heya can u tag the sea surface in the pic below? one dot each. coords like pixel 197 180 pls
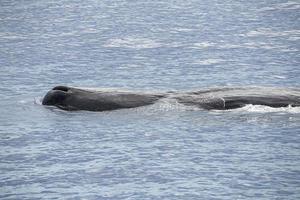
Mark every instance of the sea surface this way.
pixel 166 150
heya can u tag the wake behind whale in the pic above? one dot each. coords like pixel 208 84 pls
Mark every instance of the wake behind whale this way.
pixel 73 98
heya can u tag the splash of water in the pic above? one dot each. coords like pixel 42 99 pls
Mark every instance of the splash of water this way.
pixel 267 109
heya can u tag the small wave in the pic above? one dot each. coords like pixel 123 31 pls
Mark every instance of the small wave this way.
pixel 229 46
pixel 260 45
pixel 254 45
pixel 271 33
pixel 11 36
pixel 290 5
pixel 279 77
pixel 203 45
pixel 209 61
pixel 134 43
pixel 179 29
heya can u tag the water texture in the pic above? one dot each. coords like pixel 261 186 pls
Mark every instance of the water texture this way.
pixel 162 151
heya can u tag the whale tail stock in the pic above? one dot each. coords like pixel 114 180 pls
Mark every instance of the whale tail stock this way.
pixel 271 101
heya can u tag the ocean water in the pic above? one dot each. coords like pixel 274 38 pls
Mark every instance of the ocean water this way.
pixel 162 151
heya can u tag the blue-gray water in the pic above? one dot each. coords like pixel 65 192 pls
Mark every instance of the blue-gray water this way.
pixel 164 151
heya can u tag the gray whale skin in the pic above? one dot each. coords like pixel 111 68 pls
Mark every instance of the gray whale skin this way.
pixel 72 98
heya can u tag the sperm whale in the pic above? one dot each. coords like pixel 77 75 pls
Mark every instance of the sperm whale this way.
pixel 73 98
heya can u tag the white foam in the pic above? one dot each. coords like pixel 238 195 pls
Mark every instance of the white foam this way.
pixel 267 109
pixel 38 101
pixel 167 105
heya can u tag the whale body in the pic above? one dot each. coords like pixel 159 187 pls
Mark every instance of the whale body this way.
pixel 72 98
